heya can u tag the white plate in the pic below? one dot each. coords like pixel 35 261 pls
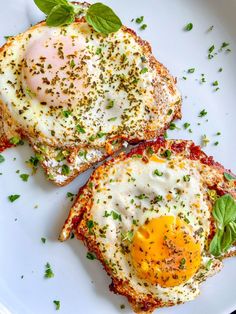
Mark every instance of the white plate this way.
pixel 81 285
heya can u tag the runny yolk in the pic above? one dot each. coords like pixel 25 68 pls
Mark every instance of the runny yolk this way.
pixel 55 70
pixel 165 252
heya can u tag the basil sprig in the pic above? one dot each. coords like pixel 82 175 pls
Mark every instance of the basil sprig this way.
pixel 103 19
pixel 224 213
pixel 61 12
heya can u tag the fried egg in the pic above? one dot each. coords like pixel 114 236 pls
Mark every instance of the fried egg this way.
pixel 147 216
pixel 70 85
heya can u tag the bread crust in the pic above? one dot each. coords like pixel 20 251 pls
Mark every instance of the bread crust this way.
pixel 214 179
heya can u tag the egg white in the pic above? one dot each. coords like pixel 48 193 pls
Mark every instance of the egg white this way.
pixel 119 190
pixel 114 66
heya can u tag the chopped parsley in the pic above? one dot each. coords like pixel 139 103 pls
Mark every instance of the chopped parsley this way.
pixel 34 161
pixel 186 125
pixel 192 70
pixel 139 20
pixel 158 173
pixel 169 112
pixel 122 306
pixel 48 271
pixel 65 170
pixel 188 27
pixel 144 70
pixel 7 37
pixel 2 159
pixel 127 236
pixel 110 104
pixel 186 178
pixel 112 119
pixel 98 51
pixel 90 225
pixel 211 49
pixel 43 240
pixel 16 141
pixel 66 113
pixel 173 126
pixel 202 113
pixel 12 198
pixel 218 133
pixel 24 177
pixel 101 134
pixel 220 70
pixel 208 264
pixel 167 154
pixel 143 27
pixel 224 45
pixel 158 198
pixel 72 63
pixel 182 263
pixel 114 215
pixel 141 196
pixel 215 83
pixel 90 256
pixel 80 129
pixel 57 304
pixel 70 195
pixel 216 143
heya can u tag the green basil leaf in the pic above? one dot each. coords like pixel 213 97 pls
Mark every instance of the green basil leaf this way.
pixel 229 177
pixel 103 19
pixel 224 210
pixel 226 240
pixel 215 248
pixel 61 15
pixel 47 5
pixel 232 226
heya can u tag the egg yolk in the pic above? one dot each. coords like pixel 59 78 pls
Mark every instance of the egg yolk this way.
pixel 55 70
pixel 165 252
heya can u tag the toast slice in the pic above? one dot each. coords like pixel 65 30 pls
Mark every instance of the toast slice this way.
pixel 142 119
pixel 159 178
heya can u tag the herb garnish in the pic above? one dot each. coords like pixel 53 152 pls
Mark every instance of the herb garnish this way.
pixel 139 20
pixel 224 213
pixel 65 170
pixel 62 12
pixel 57 304
pixel 188 27
pixel 48 271
pixel 90 225
pixel 202 113
pixel 12 198
pixel 90 256
pixel 192 70
pixel 24 177
pixel 158 173
pixel 43 240
pixel 2 159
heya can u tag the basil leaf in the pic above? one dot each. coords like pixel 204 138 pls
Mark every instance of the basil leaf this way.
pixel 103 19
pixel 224 210
pixel 215 248
pixel 61 15
pixel 226 240
pixel 229 177
pixel 47 5
pixel 232 226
